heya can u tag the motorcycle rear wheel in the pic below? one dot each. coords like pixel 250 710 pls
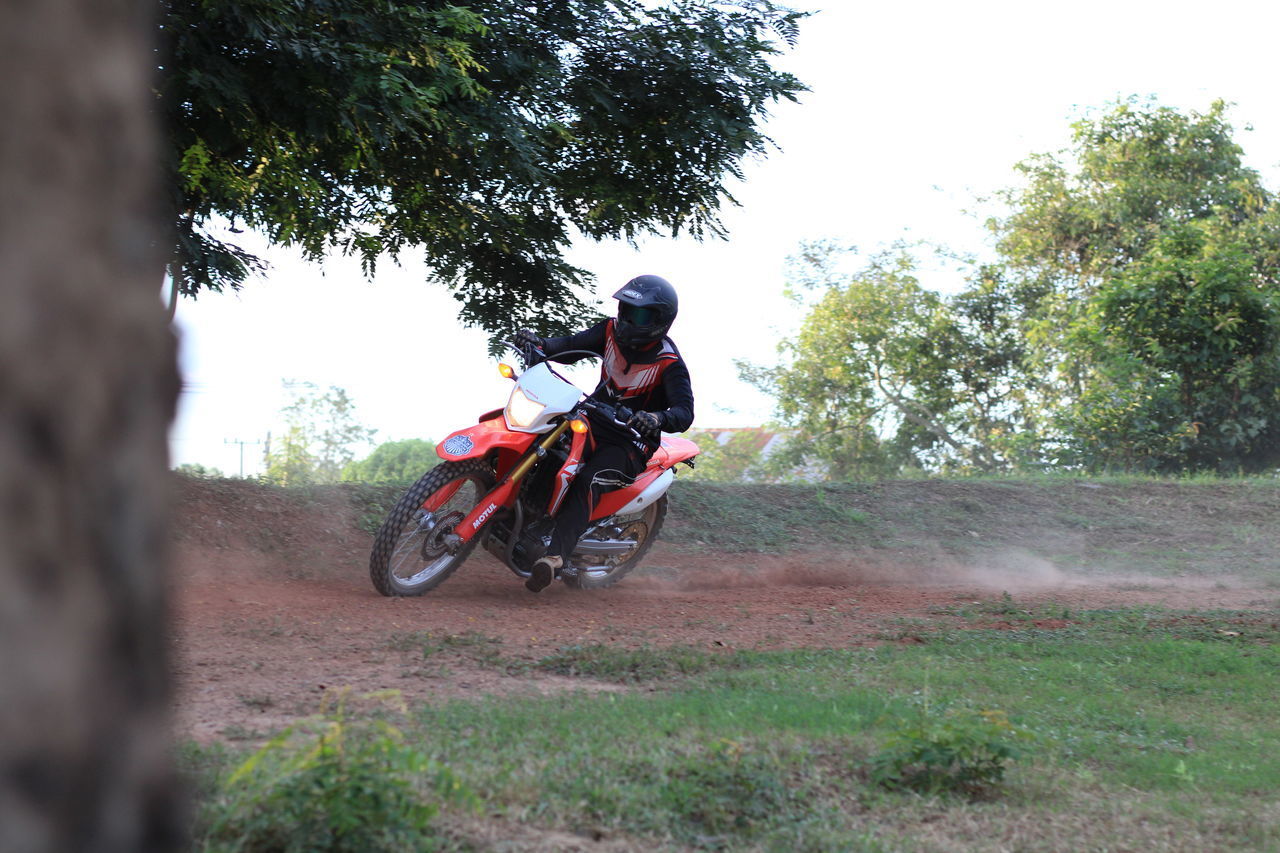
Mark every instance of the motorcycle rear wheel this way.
pixel 409 555
pixel 600 572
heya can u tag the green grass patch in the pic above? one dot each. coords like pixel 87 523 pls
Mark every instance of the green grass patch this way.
pixel 334 782
pixel 1098 526
pixel 1120 707
pixel 1169 528
pixel 766 517
pixel 1118 729
pixel 630 666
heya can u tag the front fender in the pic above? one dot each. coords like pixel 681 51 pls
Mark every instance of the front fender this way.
pixel 477 441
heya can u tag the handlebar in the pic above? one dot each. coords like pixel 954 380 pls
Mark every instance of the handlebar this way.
pixel 618 415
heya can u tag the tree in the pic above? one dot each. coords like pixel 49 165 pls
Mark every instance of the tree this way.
pixel 886 374
pixel 394 462
pixel 321 432
pixel 486 135
pixel 1156 256
pixel 735 460
pixel 1187 364
pixel 88 384
pixel 196 471
pixel 1133 171
pixel 1132 321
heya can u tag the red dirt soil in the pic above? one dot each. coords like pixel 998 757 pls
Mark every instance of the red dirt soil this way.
pixel 260 637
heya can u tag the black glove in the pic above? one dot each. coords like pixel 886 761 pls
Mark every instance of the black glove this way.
pixel 528 342
pixel 648 424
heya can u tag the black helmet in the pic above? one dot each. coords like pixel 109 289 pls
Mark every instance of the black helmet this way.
pixel 647 307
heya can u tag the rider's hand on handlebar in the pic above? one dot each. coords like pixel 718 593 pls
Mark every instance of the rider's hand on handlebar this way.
pixel 648 424
pixel 529 343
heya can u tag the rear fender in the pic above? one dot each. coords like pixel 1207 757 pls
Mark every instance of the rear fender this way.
pixel 647 488
pixel 650 485
pixel 673 451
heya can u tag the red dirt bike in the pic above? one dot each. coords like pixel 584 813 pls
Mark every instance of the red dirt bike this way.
pixel 502 481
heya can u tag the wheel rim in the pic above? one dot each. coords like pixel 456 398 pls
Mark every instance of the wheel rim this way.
pixel 419 554
pixel 634 529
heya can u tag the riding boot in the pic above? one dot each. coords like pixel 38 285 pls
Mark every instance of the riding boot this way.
pixel 543 572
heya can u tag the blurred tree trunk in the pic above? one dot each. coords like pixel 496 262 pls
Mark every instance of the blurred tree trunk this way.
pixel 88 382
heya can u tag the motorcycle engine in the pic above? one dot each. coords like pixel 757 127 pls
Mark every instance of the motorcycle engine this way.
pixel 535 493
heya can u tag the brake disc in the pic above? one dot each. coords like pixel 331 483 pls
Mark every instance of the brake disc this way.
pixel 435 532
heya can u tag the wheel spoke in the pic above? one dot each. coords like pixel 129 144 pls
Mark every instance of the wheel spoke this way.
pixel 636 529
pixel 418 555
pixel 409 554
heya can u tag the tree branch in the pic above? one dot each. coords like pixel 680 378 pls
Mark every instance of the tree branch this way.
pixel 978 454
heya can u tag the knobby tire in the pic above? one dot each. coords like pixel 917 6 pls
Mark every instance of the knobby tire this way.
pixel 401 522
pixel 584 580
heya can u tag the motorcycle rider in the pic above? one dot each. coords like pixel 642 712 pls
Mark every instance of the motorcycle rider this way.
pixel 642 370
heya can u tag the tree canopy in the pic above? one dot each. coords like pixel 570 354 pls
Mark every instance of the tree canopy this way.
pixel 401 461
pixel 886 374
pixel 1155 254
pixel 485 135
pixel 320 437
pixel 1130 321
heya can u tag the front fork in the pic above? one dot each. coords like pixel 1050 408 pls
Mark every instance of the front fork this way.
pixel 501 495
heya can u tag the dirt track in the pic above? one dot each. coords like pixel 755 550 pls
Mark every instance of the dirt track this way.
pixel 260 640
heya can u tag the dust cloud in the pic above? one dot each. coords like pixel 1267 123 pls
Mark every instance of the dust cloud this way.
pixel 1013 571
pixel 1003 571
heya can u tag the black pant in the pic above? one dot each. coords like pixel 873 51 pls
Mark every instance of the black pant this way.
pixel 609 467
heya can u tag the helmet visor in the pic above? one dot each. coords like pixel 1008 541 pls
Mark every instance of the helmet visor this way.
pixel 637 315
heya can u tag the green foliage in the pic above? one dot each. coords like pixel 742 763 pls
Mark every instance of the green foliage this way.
pixel 957 750
pixel 198 471
pixel 321 432
pixel 336 783
pixel 1156 327
pixel 1188 361
pixel 1133 171
pixel 737 460
pixel 486 134
pixel 394 463
pixel 729 789
pixel 886 375
pixel 1132 323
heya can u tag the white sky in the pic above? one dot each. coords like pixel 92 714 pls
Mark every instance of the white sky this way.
pixel 916 110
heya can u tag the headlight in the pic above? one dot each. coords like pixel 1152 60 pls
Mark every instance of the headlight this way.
pixel 521 411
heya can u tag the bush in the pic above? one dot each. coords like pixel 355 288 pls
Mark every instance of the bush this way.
pixel 331 784
pixel 956 750
pixel 728 791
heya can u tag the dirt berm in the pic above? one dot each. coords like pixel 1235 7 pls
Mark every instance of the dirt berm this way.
pixel 273 606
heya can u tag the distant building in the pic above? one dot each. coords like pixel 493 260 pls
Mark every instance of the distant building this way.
pixel 766 441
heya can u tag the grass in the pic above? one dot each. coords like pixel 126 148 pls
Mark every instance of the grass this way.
pixel 1145 729
pixel 1113 525
pixel 438 648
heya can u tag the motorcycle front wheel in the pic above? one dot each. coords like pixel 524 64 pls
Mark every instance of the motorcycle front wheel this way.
pixel 410 553
pixel 611 549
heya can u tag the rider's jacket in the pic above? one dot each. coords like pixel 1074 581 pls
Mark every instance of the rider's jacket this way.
pixel 654 379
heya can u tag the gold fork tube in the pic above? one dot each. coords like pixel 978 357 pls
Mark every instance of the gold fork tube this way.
pixel 525 464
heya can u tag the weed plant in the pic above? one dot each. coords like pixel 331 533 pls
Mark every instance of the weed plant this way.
pixel 949 750
pixel 334 783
